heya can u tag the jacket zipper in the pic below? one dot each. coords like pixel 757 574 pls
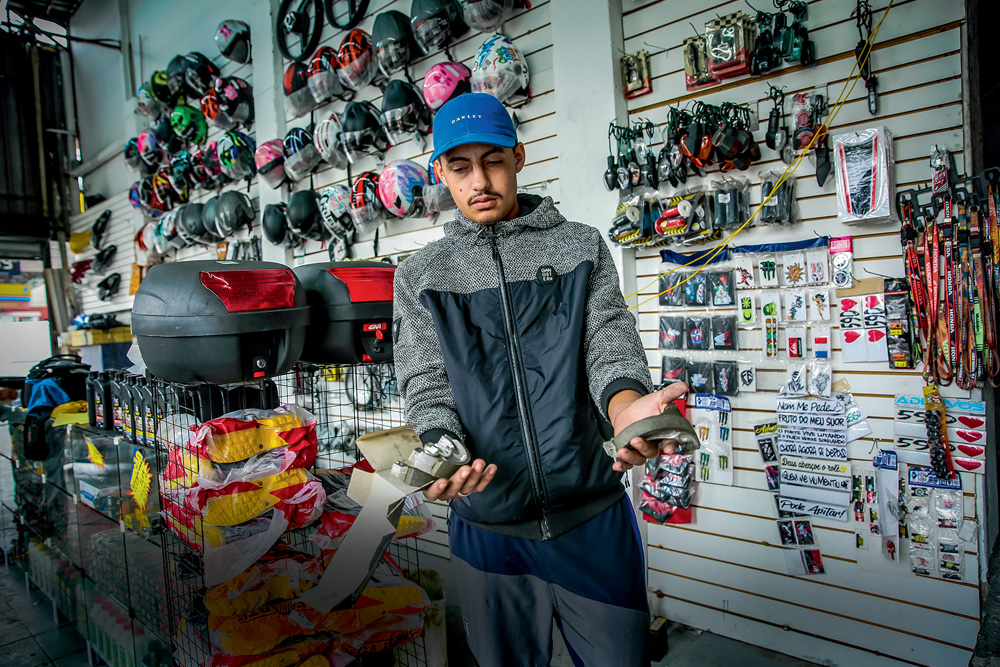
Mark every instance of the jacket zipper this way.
pixel 514 354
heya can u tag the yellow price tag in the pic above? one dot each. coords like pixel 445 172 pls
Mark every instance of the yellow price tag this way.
pixel 95 456
pixel 141 480
pixel 144 522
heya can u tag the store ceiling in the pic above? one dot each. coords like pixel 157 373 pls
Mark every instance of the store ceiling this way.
pixel 57 11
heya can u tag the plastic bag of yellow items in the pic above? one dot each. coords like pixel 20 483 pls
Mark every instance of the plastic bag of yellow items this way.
pixel 238 435
pixel 261 630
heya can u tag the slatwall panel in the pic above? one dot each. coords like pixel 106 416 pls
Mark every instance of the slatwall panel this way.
pixel 726 572
pixel 530 33
pixel 126 221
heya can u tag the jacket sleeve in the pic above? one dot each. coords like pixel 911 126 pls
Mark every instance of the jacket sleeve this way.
pixel 420 372
pixel 616 360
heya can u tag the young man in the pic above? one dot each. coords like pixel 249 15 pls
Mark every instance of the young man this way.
pixel 511 333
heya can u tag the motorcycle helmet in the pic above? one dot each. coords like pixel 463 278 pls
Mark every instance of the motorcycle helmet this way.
pixel 435 23
pixel 146 104
pixel 304 217
pixel 393 41
pixel 108 288
pixel 160 243
pixel 403 112
pixel 367 211
pixel 360 131
pixel 233 39
pixel 200 74
pixel 236 151
pixel 199 176
pixel 166 138
pixel 324 84
pixel 235 98
pixel 356 60
pixel 233 212
pixel 301 156
pixel 210 230
pixel 134 197
pixel 335 207
pixel 446 81
pixel 133 160
pixel 326 136
pixel 270 160
pixel 299 99
pixel 486 15
pixel 181 173
pixel 147 145
pixel 189 124
pixel 213 113
pixel 176 73
pixel 401 188
pixel 272 220
pixel 164 189
pixel 189 224
pixel 160 91
pixel 103 259
pixel 499 69
pixel 167 229
pixel 212 166
pixel 437 197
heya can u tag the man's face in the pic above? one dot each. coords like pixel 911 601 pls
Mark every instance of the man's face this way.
pixel 483 180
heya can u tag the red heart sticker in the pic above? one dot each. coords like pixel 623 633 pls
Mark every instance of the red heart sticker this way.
pixel 971 450
pixel 970 436
pixel 872 300
pixel 875 335
pixel 968 464
pixel 851 336
pixel 971 421
pixel 847 304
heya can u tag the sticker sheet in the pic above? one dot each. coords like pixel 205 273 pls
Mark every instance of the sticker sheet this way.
pixel 796 342
pixel 743 272
pixel 793 271
pixel 818 262
pixel 795 306
pixel 748 308
pixel 768 271
pixel 819 305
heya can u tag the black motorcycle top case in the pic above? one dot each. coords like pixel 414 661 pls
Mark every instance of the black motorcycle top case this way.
pixel 351 306
pixel 219 321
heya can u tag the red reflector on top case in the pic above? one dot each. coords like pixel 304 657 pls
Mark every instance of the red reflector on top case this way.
pixel 243 291
pixel 259 374
pixel 366 283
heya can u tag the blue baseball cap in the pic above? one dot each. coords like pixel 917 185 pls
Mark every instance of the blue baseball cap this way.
pixel 472 118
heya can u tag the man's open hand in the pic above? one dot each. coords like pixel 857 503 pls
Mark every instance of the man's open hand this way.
pixel 468 479
pixel 628 407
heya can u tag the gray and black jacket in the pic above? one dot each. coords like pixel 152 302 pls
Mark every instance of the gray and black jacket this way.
pixel 514 337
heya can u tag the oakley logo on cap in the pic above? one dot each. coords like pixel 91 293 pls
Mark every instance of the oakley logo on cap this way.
pixel 455 120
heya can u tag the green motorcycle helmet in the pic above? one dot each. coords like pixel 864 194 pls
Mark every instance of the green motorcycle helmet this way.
pixel 189 124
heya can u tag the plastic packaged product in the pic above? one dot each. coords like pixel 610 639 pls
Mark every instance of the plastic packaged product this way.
pixel 673 369
pixel 672 332
pixel 726 381
pixel 720 287
pixel 241 434
pixel 778 208
pixel 724 332
pixel 696 289
pixel 731 201
pixel 698 332
pixel 670 288
pixel 865 176
pixel 700 377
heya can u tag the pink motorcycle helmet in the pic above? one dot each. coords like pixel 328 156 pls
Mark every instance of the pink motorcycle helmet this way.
pixel 270 160
pixel 445 81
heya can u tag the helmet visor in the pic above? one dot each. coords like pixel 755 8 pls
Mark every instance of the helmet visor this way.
pixel 392 55
pixel 400 124
pixel 431 33
pixel 325 85
pixel 359 72
pixel 356 144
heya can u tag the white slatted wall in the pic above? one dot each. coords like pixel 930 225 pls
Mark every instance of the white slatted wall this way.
pixel 530 33
pixel 725 572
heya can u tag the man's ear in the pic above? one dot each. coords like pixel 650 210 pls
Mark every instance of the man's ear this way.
pixel 518 157
pixel 439 165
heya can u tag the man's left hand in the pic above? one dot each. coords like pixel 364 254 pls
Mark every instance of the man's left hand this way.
pixel 628 407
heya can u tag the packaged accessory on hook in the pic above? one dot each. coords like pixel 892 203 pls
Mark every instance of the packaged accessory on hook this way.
pixel 731 198
pixel 779 209
pixel 696 72
pixel 701 378
pixel 671 290
pixel 820 378
pixel 672 332
pixel 727 45
pixel 865 176
pixel 674 369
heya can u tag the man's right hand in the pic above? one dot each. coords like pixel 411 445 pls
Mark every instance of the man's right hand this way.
pixel 469 479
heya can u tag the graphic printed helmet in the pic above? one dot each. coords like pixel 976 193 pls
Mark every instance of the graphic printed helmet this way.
pixel 403 112
pixel 200 74
pixel 148 146
pixel 361 132
pixel 393 40
pixel 301 156
pixel 299 99
pixel 326 136
pixel 200 177
pixel 335 207
pixel 486 15
pixel 213 113
pixel 133 160
pixel 212 166
pixel 401 188
pixel 435 23
pixel 367 211
pixel 160 91
pixel 499 69
pixel 233 39
pixel 235 97
pixel 164 189
pixel 235 151
pixel 324 83
pixel 270 161
pixel 446 81
pixel 166 138
pixel 181 173
pixel 176 72
pixel 356 60
pixel 189 124
pixel 146 104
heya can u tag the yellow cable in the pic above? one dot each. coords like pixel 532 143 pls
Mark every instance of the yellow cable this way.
pixel 852 80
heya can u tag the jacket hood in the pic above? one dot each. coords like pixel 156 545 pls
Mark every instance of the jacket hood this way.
pixel 535 212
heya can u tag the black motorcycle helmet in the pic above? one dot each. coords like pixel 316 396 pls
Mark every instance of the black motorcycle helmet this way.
pixel 176 74
pixel 273 222
pixel 208 213
pixel 102 262
pixel 436 23
pixel 403 111
pixel 189 225
pixel 361 131
pixel 234 212
pixel 200 74
pixel 108 288
pixel 304 217
pixel 393 41
pixel 166 137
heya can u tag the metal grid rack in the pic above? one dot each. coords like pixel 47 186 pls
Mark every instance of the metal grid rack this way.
pixel 347 401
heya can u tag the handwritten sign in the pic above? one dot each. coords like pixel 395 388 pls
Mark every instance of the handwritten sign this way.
pixel 834 497
pixel 833 406
pixel 814 479
pixel 812 451
pixel 815 465
pixel 813 437
pixel 815 509
pixel 812 421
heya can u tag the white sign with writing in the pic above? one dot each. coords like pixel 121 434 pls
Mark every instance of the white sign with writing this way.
pixel 815 465
pixel 814 479
pixel 816 494
pixel 812 406
pixel 813 437
pixel 812 421
pixel 812 451
pixel 815 509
